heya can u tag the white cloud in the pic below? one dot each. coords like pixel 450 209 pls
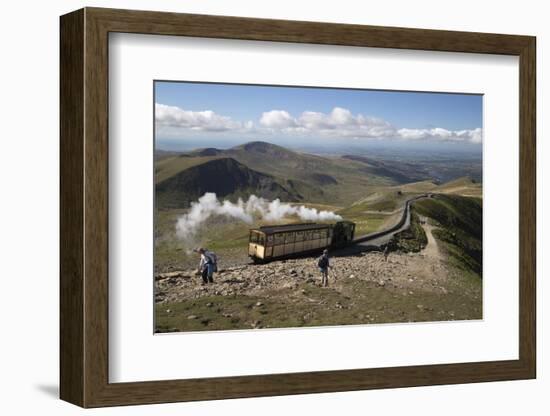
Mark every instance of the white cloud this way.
pixel 472 136
pixel 170 116
pixel 338 117
pixel 277 119
pixel 339 122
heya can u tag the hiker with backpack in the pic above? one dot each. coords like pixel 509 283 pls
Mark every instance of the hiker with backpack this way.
pixel 324 263
pixel 208 265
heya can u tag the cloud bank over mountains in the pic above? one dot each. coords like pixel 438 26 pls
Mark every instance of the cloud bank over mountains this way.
pixel 171 116
pixel 340 122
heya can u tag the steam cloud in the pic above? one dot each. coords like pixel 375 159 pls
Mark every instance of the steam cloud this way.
pixel 209 205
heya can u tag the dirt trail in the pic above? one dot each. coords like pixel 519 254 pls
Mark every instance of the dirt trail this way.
pixel 431 251
pixel 430 262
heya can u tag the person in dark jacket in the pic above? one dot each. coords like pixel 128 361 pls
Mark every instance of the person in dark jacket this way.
pixel 324 264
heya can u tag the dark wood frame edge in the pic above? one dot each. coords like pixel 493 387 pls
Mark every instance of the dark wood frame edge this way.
pixel 84 207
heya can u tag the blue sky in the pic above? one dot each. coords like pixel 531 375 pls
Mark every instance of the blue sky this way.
pixel 243 112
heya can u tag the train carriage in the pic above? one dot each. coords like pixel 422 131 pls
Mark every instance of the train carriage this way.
pixel 282 241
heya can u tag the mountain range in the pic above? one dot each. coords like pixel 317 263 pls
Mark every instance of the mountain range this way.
pixel 271 171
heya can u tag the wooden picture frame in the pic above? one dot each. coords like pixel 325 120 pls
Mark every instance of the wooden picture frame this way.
pixel 84 207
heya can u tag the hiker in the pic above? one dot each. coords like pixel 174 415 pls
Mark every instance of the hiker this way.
pixel 386 252
pixel 208 265
pixel 324 264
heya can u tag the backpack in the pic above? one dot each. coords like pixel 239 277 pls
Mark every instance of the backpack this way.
pixel 322 262
pixel 212 258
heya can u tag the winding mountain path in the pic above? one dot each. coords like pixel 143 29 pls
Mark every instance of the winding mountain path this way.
pixel 379 239
pixel 432 249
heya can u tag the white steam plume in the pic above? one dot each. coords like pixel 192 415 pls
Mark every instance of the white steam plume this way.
pixel 208 205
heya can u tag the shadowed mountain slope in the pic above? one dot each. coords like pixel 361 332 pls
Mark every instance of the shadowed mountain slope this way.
pixel 226 177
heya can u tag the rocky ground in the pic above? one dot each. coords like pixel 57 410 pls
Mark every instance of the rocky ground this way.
pixel 363 288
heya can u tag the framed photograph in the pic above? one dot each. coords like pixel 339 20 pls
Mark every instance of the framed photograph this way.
pixel 254 207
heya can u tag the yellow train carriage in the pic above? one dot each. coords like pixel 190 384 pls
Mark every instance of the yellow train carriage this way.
pixel 273 242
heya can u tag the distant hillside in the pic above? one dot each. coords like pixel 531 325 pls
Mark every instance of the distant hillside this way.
pixel 279 161
pixel 164 154
pixel 399 172
pixel 325 180
pixel 333 180
pixel 465 186
pixel 208 151
pixel 420 166
pixel 224 176
pixel 263 148
pixel 422 187
pixel 392 197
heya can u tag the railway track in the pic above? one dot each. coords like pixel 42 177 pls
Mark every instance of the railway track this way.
pixel 378 239
pixel 373 241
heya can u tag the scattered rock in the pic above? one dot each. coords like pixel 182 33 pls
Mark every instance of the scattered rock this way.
pixel 171 275
pixel 297 280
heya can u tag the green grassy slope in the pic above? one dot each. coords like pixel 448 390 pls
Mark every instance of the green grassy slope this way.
pixel 317 179
pixel 224 176
pixel 331 180
pixel 399 172
pixel 460 227
pixel 465 186
pixel 169 166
